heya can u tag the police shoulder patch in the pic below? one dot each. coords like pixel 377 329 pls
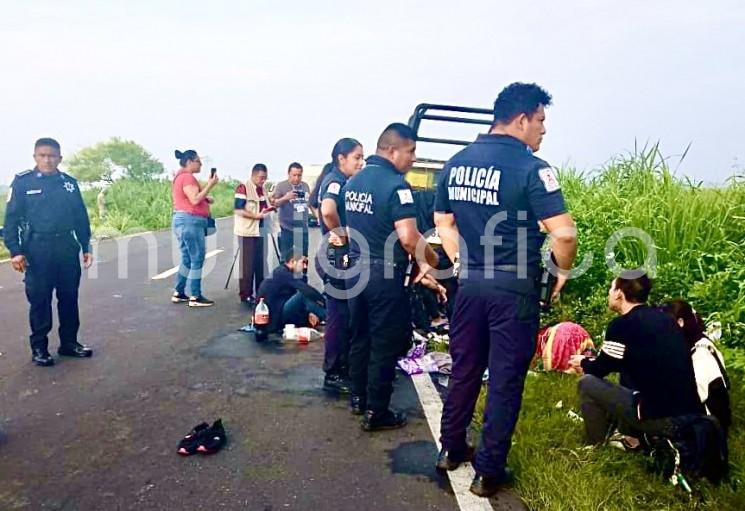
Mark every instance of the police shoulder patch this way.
pixel 24 173
pixel 405 197
pixel 334 188
pixel 549 179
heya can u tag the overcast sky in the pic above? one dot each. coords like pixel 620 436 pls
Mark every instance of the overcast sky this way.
pixel 273 82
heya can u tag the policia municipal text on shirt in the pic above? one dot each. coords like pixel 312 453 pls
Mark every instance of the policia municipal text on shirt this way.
pixel 492 194
pixel 46 225
pixel 378 203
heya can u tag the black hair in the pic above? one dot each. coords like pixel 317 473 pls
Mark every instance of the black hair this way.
pixel 294 165
pixel 186 156
pixel 693 325
pixel 313 199
pixel 47 142
pixel 395 133
pixel 290 253
pixel 519 98
pixel 259 167
pixel 343 147
pixel 634 289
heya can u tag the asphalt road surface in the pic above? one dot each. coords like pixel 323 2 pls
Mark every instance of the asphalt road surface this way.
pixel 100 433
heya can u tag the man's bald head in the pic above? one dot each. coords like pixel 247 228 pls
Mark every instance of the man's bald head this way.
pixel 397 144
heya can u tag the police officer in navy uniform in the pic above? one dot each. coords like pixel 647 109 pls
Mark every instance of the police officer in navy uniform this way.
pixel 347 160
pixel 381 220
pixel 46 225
pixel 492 194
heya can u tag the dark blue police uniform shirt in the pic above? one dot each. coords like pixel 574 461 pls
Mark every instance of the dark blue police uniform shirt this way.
pixel 374 199
pixel 49 204
pixel 497 175
pixel 332 188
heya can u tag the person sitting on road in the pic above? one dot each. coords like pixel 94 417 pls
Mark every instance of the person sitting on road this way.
pixel 291 300
pixel 647 344
pixel 708 364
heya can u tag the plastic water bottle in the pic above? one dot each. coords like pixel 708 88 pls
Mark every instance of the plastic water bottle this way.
pixel 261 320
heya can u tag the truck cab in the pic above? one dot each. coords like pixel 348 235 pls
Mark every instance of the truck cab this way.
pixel 425 172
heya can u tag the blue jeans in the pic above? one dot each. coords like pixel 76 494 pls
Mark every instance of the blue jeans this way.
pixel 189 231
pixel 295 310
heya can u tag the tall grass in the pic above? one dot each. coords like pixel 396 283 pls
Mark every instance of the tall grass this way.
pixel 697 232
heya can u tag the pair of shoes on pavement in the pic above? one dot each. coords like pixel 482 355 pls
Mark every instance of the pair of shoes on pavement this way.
pixel 194 301
pixel 482 485
pixel 41 356
pixel 203 439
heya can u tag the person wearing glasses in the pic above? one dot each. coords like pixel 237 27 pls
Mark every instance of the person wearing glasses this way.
pixel 191 208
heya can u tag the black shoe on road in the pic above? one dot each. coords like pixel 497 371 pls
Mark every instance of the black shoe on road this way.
pixel 200 301
pixel 335 383
pixel 357 404
pixel 382 421
pixel 76 350
pixel 177 297
pixel 486 486
pixel 41 358
pixel 450 460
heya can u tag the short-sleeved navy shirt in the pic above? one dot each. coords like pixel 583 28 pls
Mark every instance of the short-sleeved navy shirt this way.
pixel 332 188
pixel 496 188
pixel 375 198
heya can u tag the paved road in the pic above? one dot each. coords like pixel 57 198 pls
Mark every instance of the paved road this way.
pixel 100 434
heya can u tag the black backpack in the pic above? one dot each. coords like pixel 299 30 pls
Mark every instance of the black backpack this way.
pixel 696 448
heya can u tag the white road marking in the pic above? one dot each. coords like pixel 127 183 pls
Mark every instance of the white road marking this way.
pixel 460 479
pixel 173 270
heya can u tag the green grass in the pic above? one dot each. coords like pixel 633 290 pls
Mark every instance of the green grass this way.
pixel 556 472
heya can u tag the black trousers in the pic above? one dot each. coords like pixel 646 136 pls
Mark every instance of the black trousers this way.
pixel 53 266
pixel 381 332
pixel 288 242
pixel 253 261
pixel 605 405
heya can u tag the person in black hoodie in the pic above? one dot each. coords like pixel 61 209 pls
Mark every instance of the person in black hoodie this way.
pixel 646 344
pixel 291 300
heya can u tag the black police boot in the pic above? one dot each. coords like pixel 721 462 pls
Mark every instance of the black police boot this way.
pixel 486 486
pixel 381 421
pixel 76 350
pixel 357 404
pixel 449 459
pixel 41 357
pixel 335 383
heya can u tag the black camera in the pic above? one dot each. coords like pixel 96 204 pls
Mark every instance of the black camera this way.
pixel 300 194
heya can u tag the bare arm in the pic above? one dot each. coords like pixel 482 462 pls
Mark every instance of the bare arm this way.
pixel 411 239
pixel 196 196
pixel 563 233
pixel 330 218
pixel 448 232
pixel 246 213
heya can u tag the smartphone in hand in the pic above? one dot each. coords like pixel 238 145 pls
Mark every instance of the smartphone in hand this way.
pixel 213 171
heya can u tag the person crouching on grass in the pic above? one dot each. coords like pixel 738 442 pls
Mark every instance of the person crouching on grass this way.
pixel 646 344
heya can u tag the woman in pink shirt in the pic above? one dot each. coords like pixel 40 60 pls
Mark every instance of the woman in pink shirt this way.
pixel 191 208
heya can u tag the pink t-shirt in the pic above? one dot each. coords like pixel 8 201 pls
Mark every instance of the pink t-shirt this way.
pixel 181 201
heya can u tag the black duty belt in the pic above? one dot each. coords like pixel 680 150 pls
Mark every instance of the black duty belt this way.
pixel 50 235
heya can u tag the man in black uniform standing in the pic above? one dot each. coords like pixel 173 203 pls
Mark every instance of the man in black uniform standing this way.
pixel 492 194
pixel 381 219
pixel 46 225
